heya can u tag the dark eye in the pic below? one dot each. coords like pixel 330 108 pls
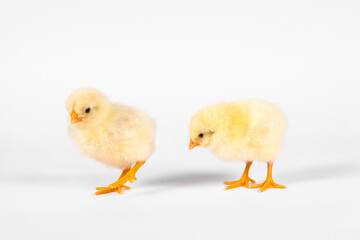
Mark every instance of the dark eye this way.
pixel 201 135
pixel 87 110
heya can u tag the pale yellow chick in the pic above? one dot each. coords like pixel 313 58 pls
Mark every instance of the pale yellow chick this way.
pixel 244 130
pixel 114 134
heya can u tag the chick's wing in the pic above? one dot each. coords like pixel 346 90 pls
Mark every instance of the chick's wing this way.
pixel 125 122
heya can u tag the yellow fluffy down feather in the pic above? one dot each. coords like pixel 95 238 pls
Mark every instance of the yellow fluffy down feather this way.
pixel 244 130
pixel 111 133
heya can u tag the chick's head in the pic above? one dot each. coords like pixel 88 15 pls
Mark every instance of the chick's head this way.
pixel 205 125
pixel 86 106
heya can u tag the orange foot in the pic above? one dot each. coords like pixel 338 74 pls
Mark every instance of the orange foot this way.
pixel 243 182
pixel 116 186
pixel 269 183
pixel 104 190
pixel 127 175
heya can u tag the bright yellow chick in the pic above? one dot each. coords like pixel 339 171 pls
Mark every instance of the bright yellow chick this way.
pixel 245 130
pixel 114 134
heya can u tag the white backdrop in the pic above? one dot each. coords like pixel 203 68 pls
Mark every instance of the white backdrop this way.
pixel 170 58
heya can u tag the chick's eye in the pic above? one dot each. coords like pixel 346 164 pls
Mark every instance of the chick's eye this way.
pixel 87 110
pixel 201 135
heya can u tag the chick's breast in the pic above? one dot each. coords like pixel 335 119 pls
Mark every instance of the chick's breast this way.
pixel 254 131
pixel 124 137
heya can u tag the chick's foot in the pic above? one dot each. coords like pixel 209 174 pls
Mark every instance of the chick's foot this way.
pixel 104 190
pixel 116 186
pixel 128 175
pixel 267 184
pixel 243 182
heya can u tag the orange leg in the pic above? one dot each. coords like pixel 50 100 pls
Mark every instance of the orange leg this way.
pixel 244 180
pixel 269 182
pixel 134 170
pixel 114 187
pixel 127 175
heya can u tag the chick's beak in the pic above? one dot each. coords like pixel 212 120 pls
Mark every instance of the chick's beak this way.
pixel 75 117
pixel 193 144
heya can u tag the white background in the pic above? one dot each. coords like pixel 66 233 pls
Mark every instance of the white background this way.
pixel 170 58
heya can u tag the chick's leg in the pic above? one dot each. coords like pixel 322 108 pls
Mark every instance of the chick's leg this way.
pixel 269 182
pixel 244 180
pixel 116 186
pixel 134 170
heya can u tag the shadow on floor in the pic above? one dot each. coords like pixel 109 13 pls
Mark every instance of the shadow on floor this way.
pixel 147 185
pixel 154 185
pixel 187 179
pixel 192 178
pixel 176 180
pixel 320 172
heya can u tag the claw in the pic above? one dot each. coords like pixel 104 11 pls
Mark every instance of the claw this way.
pixel 238 181
pixel 104 190
pixel 243 182
pixel 267 185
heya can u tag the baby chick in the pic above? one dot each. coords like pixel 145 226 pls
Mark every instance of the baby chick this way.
pixel 245 130
pixel 114 134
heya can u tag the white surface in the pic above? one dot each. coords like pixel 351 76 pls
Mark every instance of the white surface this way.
pixel 170 59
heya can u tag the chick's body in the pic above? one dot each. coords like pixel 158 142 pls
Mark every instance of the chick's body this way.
pixel 111 133
pixel 245 130
pixel 124 136
pixel 248 130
